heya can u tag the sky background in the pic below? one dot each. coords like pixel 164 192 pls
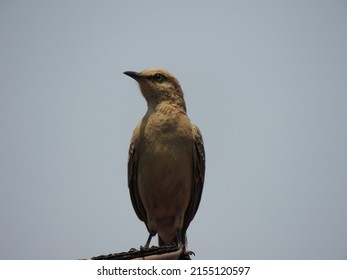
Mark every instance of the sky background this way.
pixel 266 82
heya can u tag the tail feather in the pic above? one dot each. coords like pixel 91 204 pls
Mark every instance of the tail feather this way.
pixel 175 240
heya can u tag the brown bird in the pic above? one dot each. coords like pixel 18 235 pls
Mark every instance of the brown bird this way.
pixel 166 166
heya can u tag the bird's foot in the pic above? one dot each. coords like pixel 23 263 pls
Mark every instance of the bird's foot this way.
pixel 188 252
pixel 184 251
pixel 151 234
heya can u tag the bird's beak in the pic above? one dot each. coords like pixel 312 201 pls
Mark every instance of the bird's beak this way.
pixel 134 75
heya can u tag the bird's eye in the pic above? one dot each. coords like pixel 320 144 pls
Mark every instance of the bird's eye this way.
pixel 159 77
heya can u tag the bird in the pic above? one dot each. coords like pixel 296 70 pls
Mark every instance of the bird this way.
pixel 166 163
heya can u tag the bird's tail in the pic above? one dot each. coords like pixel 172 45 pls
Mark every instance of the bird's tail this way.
pixel 175 240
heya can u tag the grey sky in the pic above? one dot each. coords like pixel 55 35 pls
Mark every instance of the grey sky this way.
pixel 266 82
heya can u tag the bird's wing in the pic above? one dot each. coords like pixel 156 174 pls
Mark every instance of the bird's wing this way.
pixel 132 181
pixel 198 177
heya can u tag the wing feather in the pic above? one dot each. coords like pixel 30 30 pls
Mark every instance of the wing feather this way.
pixel 132 182
pixel 198 177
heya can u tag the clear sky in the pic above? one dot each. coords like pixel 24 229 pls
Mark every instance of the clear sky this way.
pixel 266 82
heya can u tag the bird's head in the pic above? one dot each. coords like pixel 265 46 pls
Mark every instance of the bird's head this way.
pixel 158 85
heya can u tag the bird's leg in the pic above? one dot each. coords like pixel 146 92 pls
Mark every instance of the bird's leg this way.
pixel 179 240
pixel 182 245
pixel 151 234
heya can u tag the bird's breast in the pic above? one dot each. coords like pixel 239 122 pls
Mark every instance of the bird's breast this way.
pixel 167 129
pixel 165 164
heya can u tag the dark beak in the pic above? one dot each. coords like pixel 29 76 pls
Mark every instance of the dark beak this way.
pixel 134 75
